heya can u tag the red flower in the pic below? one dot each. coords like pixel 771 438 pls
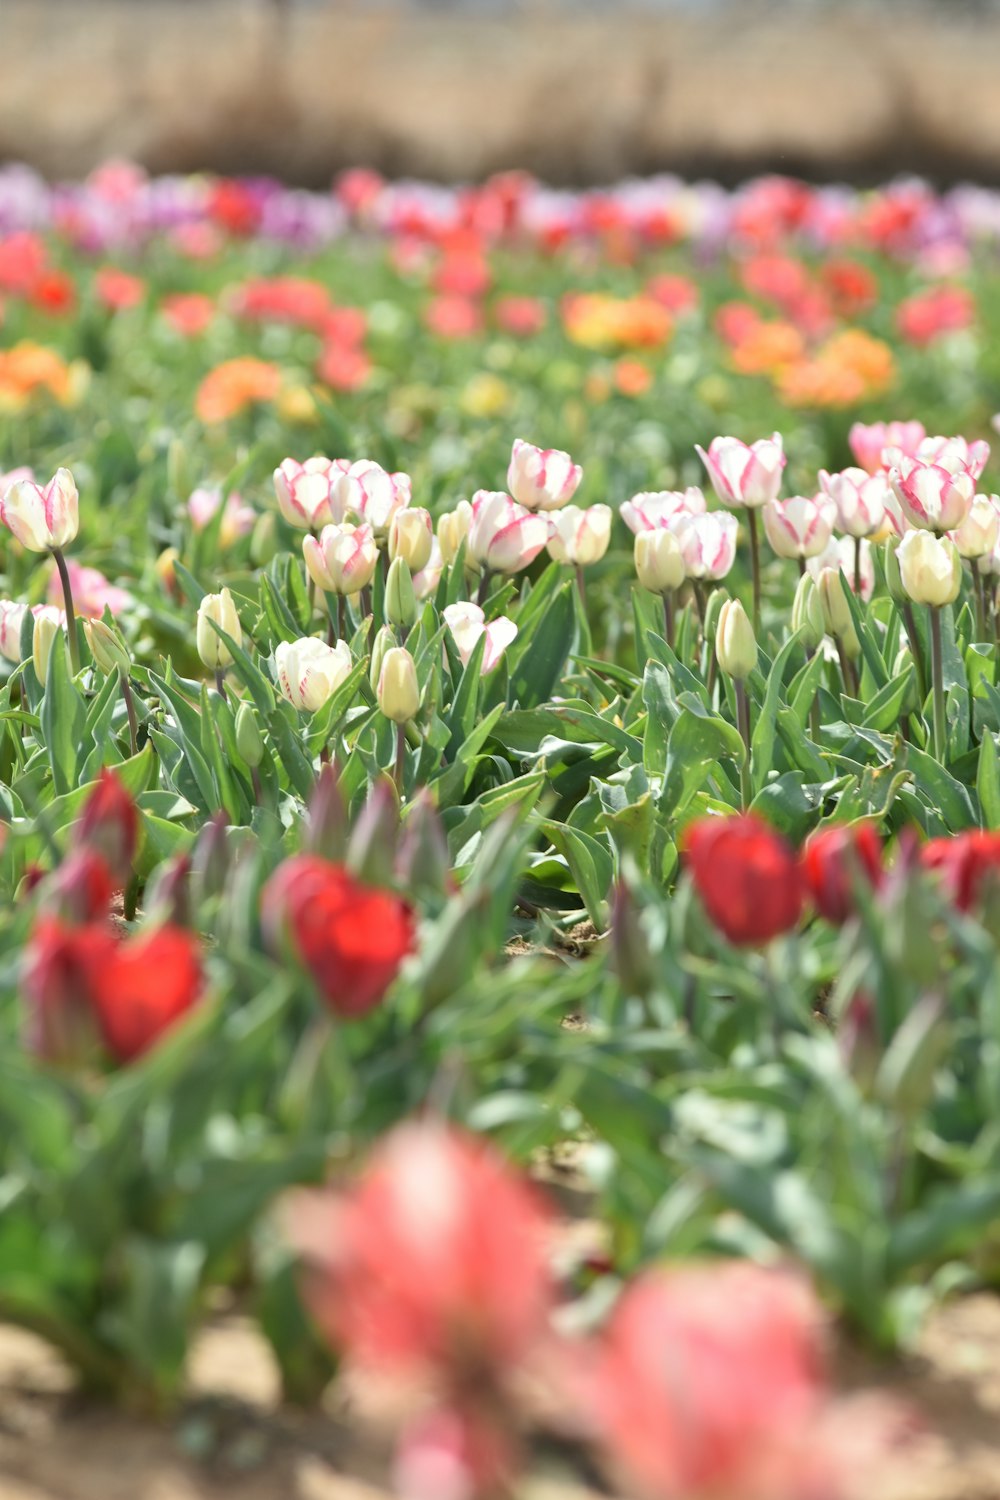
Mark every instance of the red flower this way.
pixel 747 877
pixel 968 862
pixel 522 316
pixel 54 292
pixel 351 937
pixel 930 314
pixel 117 289
pixel 343 367
pixel 143 987
pixel 837 862
pixel 188 313
pixel 55 982
pixel 80 889
pixel 453 317
pixel 110 824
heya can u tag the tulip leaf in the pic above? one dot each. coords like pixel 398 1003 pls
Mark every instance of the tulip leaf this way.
pixel 62 718
pixel 697 741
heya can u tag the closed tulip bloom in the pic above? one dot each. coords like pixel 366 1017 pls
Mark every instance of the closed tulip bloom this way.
pixel 968 865
pixel 651 509
pixel 426 581
pixel 342 559
pixel 541 478
pixel 747 877
pixel 807 613
pixel 398 691
pixel 452 530
pixel 707 543
pixel 930 568
pixel 109 651
pixel 42 517
pixel 12 616
pixel 211 647
pixel 735 642
pixel 659 565
pixel 977 536
pixel 411 535
pixel 467 623
pixel 376 496
pixel 745 474
pixel 840 554
pixel 580 536
pixel 931 496
pixel 839 864
pixel 309 671
pixel 312 494
pixel 837 615
pixel 799 527
pixel 503 536
pixel 868 442
pixel 44 635
pixel 860 500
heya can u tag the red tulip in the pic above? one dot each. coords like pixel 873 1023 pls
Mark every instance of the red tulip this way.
pixel 351 937
pixel 145 986
pixel 838 863
pixel 747 877
pixel 80 889
pixel 110 824
pixel 55 982
pixel 968 863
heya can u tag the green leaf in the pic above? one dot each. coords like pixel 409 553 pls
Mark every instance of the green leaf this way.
pixel 988 783
pixel 546 647
pixel 62 720
pixel 762 739
pixel 697 741
pixel 590 863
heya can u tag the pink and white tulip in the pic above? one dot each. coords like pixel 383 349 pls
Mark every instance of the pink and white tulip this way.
pixel 932 497
pixel 376 496
pixel 237 517
pixel 426 581
pixel 868 442
pixel 860 500
pixel 840 555
pixel 467 623
pixel 652 508
pixel 503 536
pixel 411 535
pixel 955 454
pixel 541 478
pixel 310 671
pixel 580 537
pixel 707 543
pixel 14 476
pixel 312 494
pixel 979 532
pixel 342 559
pixel 799 527
pixel 42 517
pixel 12 617
pixel 742 474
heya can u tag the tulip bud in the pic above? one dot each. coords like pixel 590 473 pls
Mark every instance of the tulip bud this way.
pixel 400 599
pixel 659 564
pixel 411 533
pixel 326 822
pixel 807 613
pixel 210 857
pixel 423 864
pixel 735 642
pixel 398 690
pixel 930 568
pixel 893 579
pixel 249 741
pixel 42 516
pixel 837 612
pixel 167 896
pixel 371 851
pixel 45 631
pixel 164 570
pixel 211 647
pixel 858 1041
pixel 383 642
pixel 107 648
pixel 263 540
pixel 109 824
pixel 977 535
pixel 309 672
pixel 452 530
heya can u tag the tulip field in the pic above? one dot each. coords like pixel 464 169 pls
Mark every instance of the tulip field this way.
pixel 500 809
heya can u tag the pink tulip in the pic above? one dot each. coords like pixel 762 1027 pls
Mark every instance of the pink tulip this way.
pixel 238 518
pixel 426 581
pixel 860 499
pixel 42 517
pixel 840 554
pixel 579 537
pixel 14 476
pixel 342 559
pixel 92 592
pixel 312 494
pixel 654 508
pixel 376 496
pixel 503 536
pixel 707 543
pixel 931 496
pixel 799 527
pixel 978 534
pixel 12 615
pixel 467 623
pixel 745 474
pixel 868 441
pixel 541 478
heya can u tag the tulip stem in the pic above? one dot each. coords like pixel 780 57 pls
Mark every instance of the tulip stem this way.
pixel 980 590
pixel 133 723
pixel 484 585
pixel 916 649
pixel 668 620
pixel 754 565
pixel 857 567
pixel 937 681
pixel 220 685
pixel 400 757
pixel 74 644
pixel 743 720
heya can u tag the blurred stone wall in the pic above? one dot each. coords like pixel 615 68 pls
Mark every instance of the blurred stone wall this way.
pixel 583 95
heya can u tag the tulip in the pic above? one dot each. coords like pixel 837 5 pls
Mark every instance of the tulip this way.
pixel 978 534
pixel 541 478
pixel 411 536
pixel 352 938
pixel 968 863
pixel 312 494
pixel 383 642
pixel 707 543
pixel 659 562
pixel 503 536
pixel 747 877
pixel 799 527
pixel 467 623
pixel 841 864
pixel 309 672
pixel 735 643
pixel 955 454
pixel 44 634
pixel 43 518
pixel 852 555
pixel 109 825
pixel 220 609
pixel 342 559
pixel 580 537
pixel 930 568
pixel 869 442
pixel 109 651
pixel 400 597
pixel 860 500
pixel 652 509
pixel 12 617
pixel 398 691
pixel 249 740
pixel 932 496
pixel 452 530
pixel 807 613
pixel 837 612
pixel 238 518
pixel 744 475
pixel 426 581
pixel 376 496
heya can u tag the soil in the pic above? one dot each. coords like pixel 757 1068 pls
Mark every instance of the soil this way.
pixel 234 1441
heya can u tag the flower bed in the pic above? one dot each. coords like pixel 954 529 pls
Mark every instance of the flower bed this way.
pixel 393 803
